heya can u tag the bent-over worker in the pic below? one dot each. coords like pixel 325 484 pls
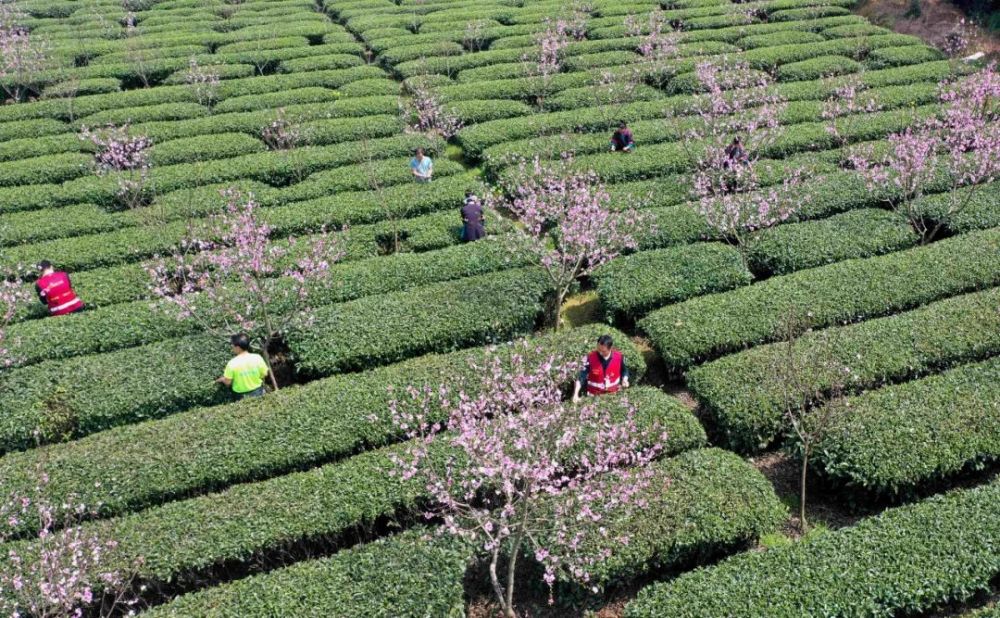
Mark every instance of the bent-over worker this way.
pixel 55 290
pixel 245 372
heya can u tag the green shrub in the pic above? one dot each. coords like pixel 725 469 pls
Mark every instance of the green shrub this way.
pixel 334 500
pixel 48 224
pixel 701 328
pixel 46 169
pixel 632 285
pixel 366 333
pixel 782 37
pixel 816 68
pixel 854 234
pixel 358 177
pixel 472 111
pixel 409 575
pixel 150 113
pixel 744 397
pixel 908 559
pixel 714 503
pixel 899 56
pixel 39 146
pixel 369 88
pixel 855 30
pixel 768 58
pixel 205 148
pixel 82 87
pixel 275 43
pixel 325 62
pixel 292 429
pixel 810 13
pixel 274 83
pixel 404 53
pixel 898 438
pixel 981 209
pixel 22 129
pixel 272 100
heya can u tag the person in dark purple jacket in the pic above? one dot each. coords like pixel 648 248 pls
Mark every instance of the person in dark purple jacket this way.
pixel 473 224
pixel 621 139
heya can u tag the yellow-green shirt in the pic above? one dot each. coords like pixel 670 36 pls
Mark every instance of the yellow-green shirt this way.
pixel 247 372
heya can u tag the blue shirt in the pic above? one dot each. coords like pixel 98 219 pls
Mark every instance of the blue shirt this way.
pixel 422 167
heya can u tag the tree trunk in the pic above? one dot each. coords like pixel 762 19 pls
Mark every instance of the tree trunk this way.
pixel 511 565
pixel 267 361
pixel 497 589
pixel 803 524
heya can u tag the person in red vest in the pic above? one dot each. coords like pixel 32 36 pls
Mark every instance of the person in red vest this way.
pixel 605 371
pixel 55 290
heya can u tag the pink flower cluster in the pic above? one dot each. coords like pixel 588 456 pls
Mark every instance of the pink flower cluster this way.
pixel 204 82
pixel 281 133
pixel 233 276
pixel 846 104
pixel 569 226
pixel 551 43
pixel 13 295
pixel 519 469
pixel 424 113
pixel 958 148
pixel 738 103
pixel 64 570
pixel 124 155
pixel 22 56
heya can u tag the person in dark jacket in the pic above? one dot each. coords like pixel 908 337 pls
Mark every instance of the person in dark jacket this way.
pixel 55 290
pixel 473 223
pixel 621 139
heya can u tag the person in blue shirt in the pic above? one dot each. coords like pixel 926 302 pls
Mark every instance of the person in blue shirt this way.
pixel 421 166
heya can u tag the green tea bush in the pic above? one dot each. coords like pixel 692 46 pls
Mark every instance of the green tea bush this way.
pixel 365 333
pixel 898 438
pixel 854 234
pixel 911 558
pixel 744 397
pixel 632 285
pixel 816 68
pixel 700 328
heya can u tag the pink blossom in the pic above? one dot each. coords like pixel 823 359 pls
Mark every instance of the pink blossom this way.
pixel 125 156
pixel 570 228
pixel 22 55
pixel 424 113
pixel 522 469
pixel 233 276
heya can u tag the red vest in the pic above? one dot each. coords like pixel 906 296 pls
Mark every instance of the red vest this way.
pixel 59 295
pixel 600 381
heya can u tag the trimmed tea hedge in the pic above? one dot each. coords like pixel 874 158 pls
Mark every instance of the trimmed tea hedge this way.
pixel 290 429
pixel 410 575
pixel 981 209
pixel 744 397
pixel 854 234
pixel 633 285
pixel 701 504
pixel 700 328
pixel 898 438
pixel 906 560
pixel 437 318
pixel 180 539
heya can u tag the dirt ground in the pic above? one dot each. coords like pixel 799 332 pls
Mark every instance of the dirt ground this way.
pixel 937 19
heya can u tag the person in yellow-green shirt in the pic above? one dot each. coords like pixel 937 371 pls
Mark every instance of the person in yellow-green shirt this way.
pixel 246 372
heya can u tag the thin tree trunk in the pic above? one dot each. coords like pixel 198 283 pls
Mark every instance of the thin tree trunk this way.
pixel 511 565
pixel 270 367
pixel 803 524
pixel 497 590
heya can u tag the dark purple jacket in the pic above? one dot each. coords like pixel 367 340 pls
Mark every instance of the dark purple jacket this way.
pixel 472 218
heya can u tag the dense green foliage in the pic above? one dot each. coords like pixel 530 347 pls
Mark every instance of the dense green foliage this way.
pixel 908 559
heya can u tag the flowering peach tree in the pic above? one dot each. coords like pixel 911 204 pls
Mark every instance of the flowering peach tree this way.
pixel 516 471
